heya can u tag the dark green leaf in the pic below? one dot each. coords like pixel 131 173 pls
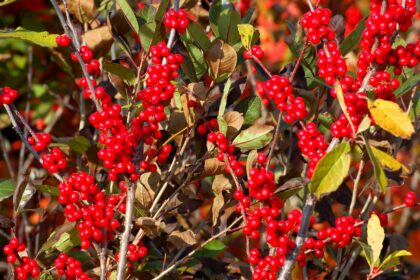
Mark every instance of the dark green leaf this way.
pixel 228 27
pixel 48 189
pixel 79 144
pixel 211 250
pixel 353 39
pixel 248 16
pixel 162 10
pixel 147 14
pixel 129 15
pixel 150 34
pixel 198 36
pixel 122 72
pixel 214 13
pixel 377 168
pixel 250 108
pixel 407 85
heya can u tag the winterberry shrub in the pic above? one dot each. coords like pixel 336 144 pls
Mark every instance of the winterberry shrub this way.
pixel 209 139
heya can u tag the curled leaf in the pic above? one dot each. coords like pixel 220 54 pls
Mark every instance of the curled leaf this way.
pixel 221 58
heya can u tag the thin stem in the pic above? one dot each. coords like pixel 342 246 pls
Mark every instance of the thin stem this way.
pixel 274 141
pixel 300 239
pixel 102 260
pixel 349 264
pixel 6 156
pixel 127 229
pixel 172 267
pixel 74 43
pixel 256 60
pixel 355 186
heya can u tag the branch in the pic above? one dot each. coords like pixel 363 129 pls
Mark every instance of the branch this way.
pixel 172 267
pixel 300 239
pixel 127 229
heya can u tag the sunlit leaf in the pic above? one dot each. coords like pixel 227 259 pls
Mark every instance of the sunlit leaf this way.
pixel 43 39
pixel 375 237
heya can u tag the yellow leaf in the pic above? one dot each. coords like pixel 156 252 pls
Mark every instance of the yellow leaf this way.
pixel 389 116
pixel 388 161
pixel 375 237
pixel 246 31
pixel 340 97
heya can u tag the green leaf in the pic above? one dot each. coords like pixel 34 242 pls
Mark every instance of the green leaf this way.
pixel 56 236
pixel 68 240
pixel 211 250
pixel 388 161
pixel 331 170
pixel 214 13
pixel 246 31
pixel 162 10
pixel 377 168
pixel 364 125
pixel 48 189
pixel 198 65
pixel 45 276
pixel 407 85
pixel 223 126
pixel 250 108
pixel 6 2
pixel 393 260
pixel 198 36
pixel 254 137
pixel 375 237
pixel 223 101
pixel 79 144
pixel 7 188
pixel 129 15
pixel 367 250
pixel 340 97
pixel 227 23
pixel 354 38
pixel 150 34
pixel 248 16
pixel 43 39
pixel 147 14
pixel 122 72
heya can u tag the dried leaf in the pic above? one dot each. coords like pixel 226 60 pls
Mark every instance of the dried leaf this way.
pixel 99 40
pixel 199 90
pixel 151 226
pixel 234 121
pixel 221 58
pixel 213 166
pixel 182 239
pixel 83 10
pixel 221 183
pixel 217 205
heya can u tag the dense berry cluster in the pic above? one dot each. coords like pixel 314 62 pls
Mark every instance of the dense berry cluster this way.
pixel 316 24
pixel 384 85
pixel 353 16
pixel 54 160
pixel 41 143
pixel 255 51
pixel 7 95
pixel 87 204
pixel 345 229
pixel 313 146
pixel 407 56
pixel 136 252
pixel 280 91
pixel 70 268
pixel 331 64
pixel 27 266
pixel 357 108
pixel 177 20
pixel 261 183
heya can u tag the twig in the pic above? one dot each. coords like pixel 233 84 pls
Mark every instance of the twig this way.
pixel 74 43
pixel 6 156
pixel 300 239
pixel 172 267
pixel 102 260
pixel 350 262
pixel 355 185
pixel 274 141
pixel 127 229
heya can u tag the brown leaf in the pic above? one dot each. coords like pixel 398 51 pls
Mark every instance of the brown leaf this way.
pixel 177 121
pixel 151 226
pixel 234 120
pixel 213 166
pixel 6 223
pixel 221 58
pixel 145 191
pixel 218 203
pixel 182 239
pixel 83 10
pixel 99 40
pixel 199 90
pixel 221 183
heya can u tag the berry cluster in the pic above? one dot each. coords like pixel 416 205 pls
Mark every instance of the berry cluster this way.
pixel 280 91
pixel 87 204
pixel 70 268
pixel 63 40
pixel 357 108
pixel 312 144
pixel 224 147
pixel 404 57
pixel 44 140
pixel 209 125
pixel 176 19
pixel 384 85
pixel 54 160
pixel 255 51
pixel 316 24
pixel 353 16
pixel 136 252
pixel 7 95
pixel 410 199
pixel 345 229
pixel 331 64
pixel 27 266
pixel 261 183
